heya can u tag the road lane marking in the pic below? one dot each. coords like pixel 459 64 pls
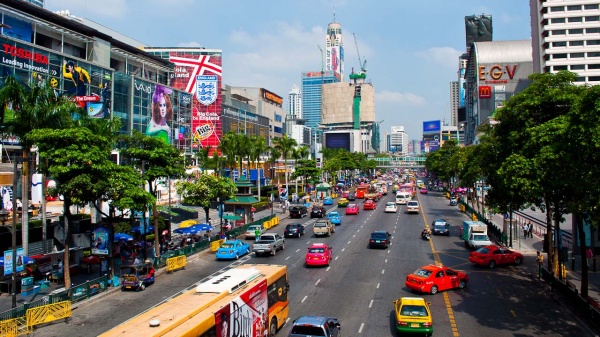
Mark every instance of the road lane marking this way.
pixel 319 280
pixel 388 251
pixel 327 269
pixel 371 304
pixel 354 235
pixel 385 261
pixel 287 258
pixel 378 284
pixel 343 249
pixel 304 299
pixel 336 257
pixel 382 271
pixel 362 325
pixel 349 242
pixel 297 250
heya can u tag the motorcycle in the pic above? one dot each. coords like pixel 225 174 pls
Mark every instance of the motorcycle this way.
pixel 425 236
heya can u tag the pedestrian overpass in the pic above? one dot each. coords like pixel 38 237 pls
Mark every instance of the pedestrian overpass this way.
pixel 385 162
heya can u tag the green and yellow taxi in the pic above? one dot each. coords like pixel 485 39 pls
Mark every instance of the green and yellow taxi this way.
pixel 413 316
pixel 343 202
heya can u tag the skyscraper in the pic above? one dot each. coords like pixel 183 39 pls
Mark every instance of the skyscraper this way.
pixel 295 102
pixel 334 43
pixel 312 83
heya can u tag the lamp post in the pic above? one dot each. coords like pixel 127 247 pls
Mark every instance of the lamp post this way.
pixel 13 231
pixel 220 206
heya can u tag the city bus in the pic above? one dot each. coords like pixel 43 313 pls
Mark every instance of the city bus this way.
pixel 408 187
pixel 248 300
pixel 361 190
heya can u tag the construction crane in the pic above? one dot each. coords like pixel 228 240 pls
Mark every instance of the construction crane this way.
pixel 322 65
pixel 363 66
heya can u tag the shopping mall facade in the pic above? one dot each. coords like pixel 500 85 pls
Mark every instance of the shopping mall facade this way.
pixel 108 74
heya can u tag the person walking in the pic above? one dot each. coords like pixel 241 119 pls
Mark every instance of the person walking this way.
pixel 539 260
pixel 530 229
pixel 589 255
pixel 525 230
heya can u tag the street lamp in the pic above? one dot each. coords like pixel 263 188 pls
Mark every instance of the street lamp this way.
pixel 220 206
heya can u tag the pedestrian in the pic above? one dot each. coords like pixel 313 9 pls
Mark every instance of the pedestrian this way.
pixel 589 255
pixel 530 230
pixel 525 231
pixel 539 260
pixel 256 234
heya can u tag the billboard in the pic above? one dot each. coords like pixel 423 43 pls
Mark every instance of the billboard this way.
pixel 201 76
pixel 428 146
pixel 462 84
pixel 338 141
pixel 335 59
pixel 432 127
pixel 246 315
pixel 161 112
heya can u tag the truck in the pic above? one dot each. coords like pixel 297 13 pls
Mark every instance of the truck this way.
pixel 474 233
pixel 372 193
pixel 323 227
pixel 268 243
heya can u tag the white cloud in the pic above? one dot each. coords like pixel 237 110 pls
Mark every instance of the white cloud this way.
pixel 399 97
pixel 445 56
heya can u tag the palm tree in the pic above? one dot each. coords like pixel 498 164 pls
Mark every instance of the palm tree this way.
pixel 285 145
pixel 274 155
pixel 303 152
pixel 26 108
pixel 203 158
pixel 258 147
pixel 242 147
pixel 228 148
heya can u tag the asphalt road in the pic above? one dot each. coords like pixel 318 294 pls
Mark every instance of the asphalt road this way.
pixel 360 285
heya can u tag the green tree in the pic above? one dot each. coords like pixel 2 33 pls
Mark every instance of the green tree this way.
pixel 274 155
pixel 78 160
pixel 228 148
pixel 27 108
pixel 258 146
pixel 307 169
pixel 205 189
pixel 285 145
pixel 156 160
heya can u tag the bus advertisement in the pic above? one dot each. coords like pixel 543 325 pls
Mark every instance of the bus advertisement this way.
pixel 248 300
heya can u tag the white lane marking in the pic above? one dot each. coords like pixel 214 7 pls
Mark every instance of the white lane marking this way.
pixel 287 257
pixel 371 304
pixel 343 249
pixel 349 242
pixel 319 280
pixel 383 271
pixel 388 251
pixel 336 257
pixel 327 269
pixel 362 325
pixel 378 284
pixel 385 261
pixel 354 235
pixel 297 250
pixel 304 299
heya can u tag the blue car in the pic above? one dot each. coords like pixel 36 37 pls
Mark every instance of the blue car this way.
pixel 328 201
pixel 232 249
pixel 335 218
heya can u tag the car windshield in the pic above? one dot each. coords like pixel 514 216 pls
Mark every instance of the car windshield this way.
pixel 413 310
pixel 320 224
pixel 413 203
pixel 390 204
pixel 483 250
pixel 423 272
pixel 308 330
pixel 227 245
pixel 316 250
pixel 334 214
pixel 480 237
pixel 439 225
pixel 378 236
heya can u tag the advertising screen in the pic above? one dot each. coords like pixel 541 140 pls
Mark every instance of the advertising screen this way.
pixel 337 141
pixel 201 76
pixel 432 126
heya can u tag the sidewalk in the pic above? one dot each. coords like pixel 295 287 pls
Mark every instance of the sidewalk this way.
pixel 530 246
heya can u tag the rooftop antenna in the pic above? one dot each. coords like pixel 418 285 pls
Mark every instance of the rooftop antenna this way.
pixel 333 13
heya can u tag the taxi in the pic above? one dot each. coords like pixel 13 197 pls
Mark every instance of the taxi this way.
pixel 369 204
pixel 413 316
pixel 343 202
pixel 352 209
pixel 319 254
pixel 434 278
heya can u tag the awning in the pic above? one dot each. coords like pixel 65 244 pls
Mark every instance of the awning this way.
pixel 231 217
pixel 247 199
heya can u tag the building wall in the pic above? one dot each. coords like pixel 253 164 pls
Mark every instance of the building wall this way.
pixel 566 36
pixel 311 95
pixel 454 101
pixel 272 107
pixel 338 102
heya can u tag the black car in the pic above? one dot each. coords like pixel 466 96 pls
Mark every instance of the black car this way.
pixel 440 227
pixel 293 230
pixel 351 196
pixel 318 212
pixel 380 239
pixel 298 211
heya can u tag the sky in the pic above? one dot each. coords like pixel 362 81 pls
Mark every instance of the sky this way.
pixel 411 47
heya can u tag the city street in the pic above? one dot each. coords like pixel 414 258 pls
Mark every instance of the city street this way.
pixel 360 285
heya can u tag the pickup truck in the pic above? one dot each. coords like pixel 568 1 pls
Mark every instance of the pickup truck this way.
pixel 323 227
pixel 268 243
pixel 298 211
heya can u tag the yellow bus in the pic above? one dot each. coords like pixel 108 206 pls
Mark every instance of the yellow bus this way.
pixel 248 300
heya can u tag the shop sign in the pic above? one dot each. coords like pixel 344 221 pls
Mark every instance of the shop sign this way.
pixel 496 73
pixel 485 91
pixel 269 96
pixel 22 53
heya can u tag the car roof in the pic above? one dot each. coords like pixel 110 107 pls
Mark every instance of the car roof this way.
pixel 334 213
pixel 352 205
pixel 311 320
pixel 378 232
pixel 412 300
pixel 294 225
pixel 318 245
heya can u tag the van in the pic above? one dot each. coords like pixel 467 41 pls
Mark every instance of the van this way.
pixel 402 198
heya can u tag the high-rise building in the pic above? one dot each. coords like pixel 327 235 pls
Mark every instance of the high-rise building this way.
pixel 334 55
pixel 312 83
pixel 454 101
pixel 398 142
pixel 295 102
pixel 268 104
pixel 566 36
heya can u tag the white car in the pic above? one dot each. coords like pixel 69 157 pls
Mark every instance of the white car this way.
pixel 251 231
pixel 391 207
pixel 412 207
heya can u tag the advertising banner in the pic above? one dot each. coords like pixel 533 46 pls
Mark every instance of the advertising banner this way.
pixel 161 110
pixel 201 76
pixel 100 240
pixel 432 127
pixel 8 261
pixel 428 146
pixel 246 315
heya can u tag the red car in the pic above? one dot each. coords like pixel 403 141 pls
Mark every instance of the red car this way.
pixel 423 191
pixel 369 204
pixel 491 256
pixel 345 194
pixel 433 278
pixel 319 254
pixel 352 209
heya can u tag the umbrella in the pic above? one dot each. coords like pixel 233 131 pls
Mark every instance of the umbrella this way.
pixel 186 230
pixel 140 229
pixel 188 223
pixel 123 237
pixel 202 227
pixel 26 260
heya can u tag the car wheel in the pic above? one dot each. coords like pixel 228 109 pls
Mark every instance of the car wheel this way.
pixel 142 287
pixel 237 256
pixel 273 327
pixel 462 284
pixel 283 246
pixel 434 290
pixel 492 264
pixel 518 261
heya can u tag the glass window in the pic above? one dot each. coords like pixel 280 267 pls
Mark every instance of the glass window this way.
pixel 594 66
pixel 593 78
pixel 557 68
pixel 557 20
pixel 593 54
pixel 574 8
pixel 592 42
pixel 592 18
pixel 577 55
pixel 575 43
pixel 576 19
pixel 592 30
pixel 559 44
pixel 559 56
pixel 591 6
pixel 575 31
pixel 557 9
pixel 580 79
pixel 559 32
pixel 578 67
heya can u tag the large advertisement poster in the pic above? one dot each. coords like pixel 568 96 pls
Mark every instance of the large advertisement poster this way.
pixel 100 240
pixel 334 60
pixel 161 110
pixel 201 76
pixel 246 315
pixel 432 127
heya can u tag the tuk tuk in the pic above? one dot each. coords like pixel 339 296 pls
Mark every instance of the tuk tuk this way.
pixel 137 276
